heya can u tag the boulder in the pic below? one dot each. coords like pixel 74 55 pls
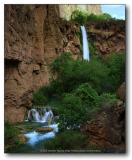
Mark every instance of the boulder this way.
pixel 44 130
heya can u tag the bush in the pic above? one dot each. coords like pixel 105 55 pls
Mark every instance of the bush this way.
pixel 106 100
pixel 72 112
pixel 59 64
pixel 10 132
pixel 83 17
pixel 79 16
pixel 116 64
pixel 67 140
pixel 101 17
pixel 77 107
pixel 39 98
pixel 10 137
pixel 87 94
pixel 73 73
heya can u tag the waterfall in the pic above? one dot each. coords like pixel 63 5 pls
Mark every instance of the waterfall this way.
pixel 85 44
pixel 40 115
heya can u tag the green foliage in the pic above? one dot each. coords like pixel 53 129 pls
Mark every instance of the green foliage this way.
pixel 10 132
pixel 116 65
pixel 39 98
pixel 73 73
pixel 71 112
pixel 83 17
pixel 87 94
pixel 66 140
pixel 79 16
pixel 82 88
pixel 106 99
pixel 76 107
pixel 60 63
pixel 101 17
pixel 10 136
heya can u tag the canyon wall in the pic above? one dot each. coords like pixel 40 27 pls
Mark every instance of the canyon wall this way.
pixel 34 36
pixel 65 10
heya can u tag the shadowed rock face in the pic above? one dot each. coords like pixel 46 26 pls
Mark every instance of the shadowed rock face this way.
pixel 34 37
pixel 107 129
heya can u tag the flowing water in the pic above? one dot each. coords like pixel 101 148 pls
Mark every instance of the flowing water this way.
pixel 45 117
pixel 85 44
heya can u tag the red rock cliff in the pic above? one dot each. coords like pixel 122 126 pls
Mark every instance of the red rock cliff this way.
pixel 33 38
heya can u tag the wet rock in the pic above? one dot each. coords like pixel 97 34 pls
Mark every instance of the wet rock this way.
pixel 44 130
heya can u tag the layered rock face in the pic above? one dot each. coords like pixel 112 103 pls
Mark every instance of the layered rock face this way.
pixel 34 37
pixel 107 36
pixel 65 10
pixel 107 129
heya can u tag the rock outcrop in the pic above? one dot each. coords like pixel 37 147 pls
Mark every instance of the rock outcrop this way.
pixel 34 37
pixel 107 36
pixel 107 130
pixel 65 10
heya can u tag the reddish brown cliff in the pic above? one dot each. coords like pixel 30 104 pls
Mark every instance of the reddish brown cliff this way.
pixel 107 36
pixel 33 38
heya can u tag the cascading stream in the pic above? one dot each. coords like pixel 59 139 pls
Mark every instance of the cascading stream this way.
pixel 45 117
pixel 85 44
pixel 40 116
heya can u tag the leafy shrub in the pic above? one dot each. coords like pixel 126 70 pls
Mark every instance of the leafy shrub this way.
pixel 106 99
pixel 60 63
pixel 79 16
pixel 10 137
pixel 39 98
pixel 77 107
pixel 73 73
pixel 72 112
pixel 66 140
pixel 116 64
pixel 87 94
pixel 10 132
pixel 83 17
pixel 101 17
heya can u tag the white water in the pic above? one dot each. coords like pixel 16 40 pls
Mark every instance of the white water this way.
pixel 34 137
pixel 85 44
pixel 41 116
pixel 45 116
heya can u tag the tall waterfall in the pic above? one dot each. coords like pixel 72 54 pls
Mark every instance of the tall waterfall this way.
pixel 85 44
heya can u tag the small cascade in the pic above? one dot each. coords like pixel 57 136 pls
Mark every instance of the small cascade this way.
pixel 85 44
pixel 45 117
pixel 40 115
